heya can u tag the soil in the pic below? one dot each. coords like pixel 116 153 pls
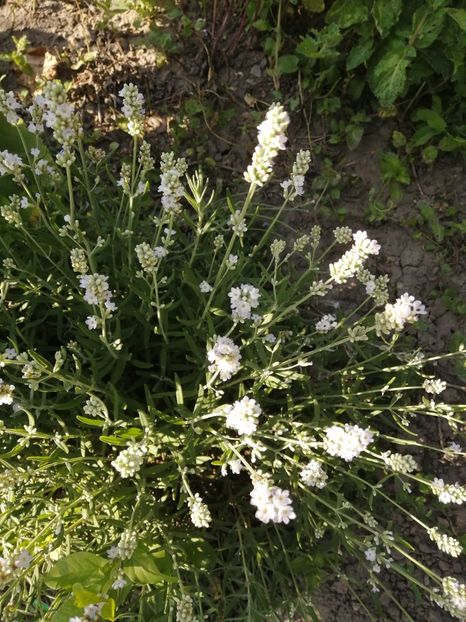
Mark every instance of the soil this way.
pixel 207 103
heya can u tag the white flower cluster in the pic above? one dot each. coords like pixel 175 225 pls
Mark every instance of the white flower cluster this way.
pixel 378 554
pixel 235 466
pixel 405 310
pixel 11 566
pixel 224 358
pixel 59 115
pixel 294 186
pixel 326 323
pixel 11 164
pixel 6 392
pixel 149 256
pixel 376 286
pixel 204 287
pixel 343 235
pixel 237 223
pixel 199 512
pixel 353 260
pixel 94 407
pixel 97 291
pixel 242 416
pixel 10 354
pixel 11 211
pixel 9 105
pixel 347 442
pixel 448 493
pixel 273 504
pixel 314 475
pixel 357 333
pixel 170 185
pixel 133 109
pixel 271 138
pixel 453 598
pixel 79 261
pixel 125 547
pixel 445 543
pixel 231 262
pixel 319 288
pixel 400 463
pixel 129 461
pixel 184 609
pixel 434 386
pixel 91 614
pixel 120 582
pixel 242 300
pixel 276 248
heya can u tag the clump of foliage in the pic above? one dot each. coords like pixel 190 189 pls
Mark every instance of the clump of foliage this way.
pixel 401 52
pixel 194 423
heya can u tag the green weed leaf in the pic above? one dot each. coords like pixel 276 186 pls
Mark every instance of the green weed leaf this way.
pixel 386 14
pixel 88 569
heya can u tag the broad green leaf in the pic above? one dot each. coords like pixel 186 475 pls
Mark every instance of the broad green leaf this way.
pixel 307 47
pixel 143 570
pixel 426 26
pixel 346 13
pixel 359 54
pixel 431 117
pixel 66 611
pixel 388 77
pixel 288 63
pixel 108 610
pixel 83 597
pixel 386 14
pixel 423 135
pixel 314 6
pixel 459 15
pixel 85 568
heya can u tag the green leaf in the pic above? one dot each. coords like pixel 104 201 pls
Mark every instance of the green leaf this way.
pixel 307 47
pixel 422 135
pixel 288 63
pixel 426 26
pixel 346 13
pixel 66 611
pixel 386 14
pixel 359 54
pixel 388 77
pixel 398 139
pixel 452 143
pixel 95 423
pixel 108 610
pixel 354 133
pixel 112 440
pixel 459 15
pixel 85 568
pixel 432 118
pixel 83 597
pixel 314 6
pixel 393 168
pixel 429 154
pixel 262 25
pixel 142 567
